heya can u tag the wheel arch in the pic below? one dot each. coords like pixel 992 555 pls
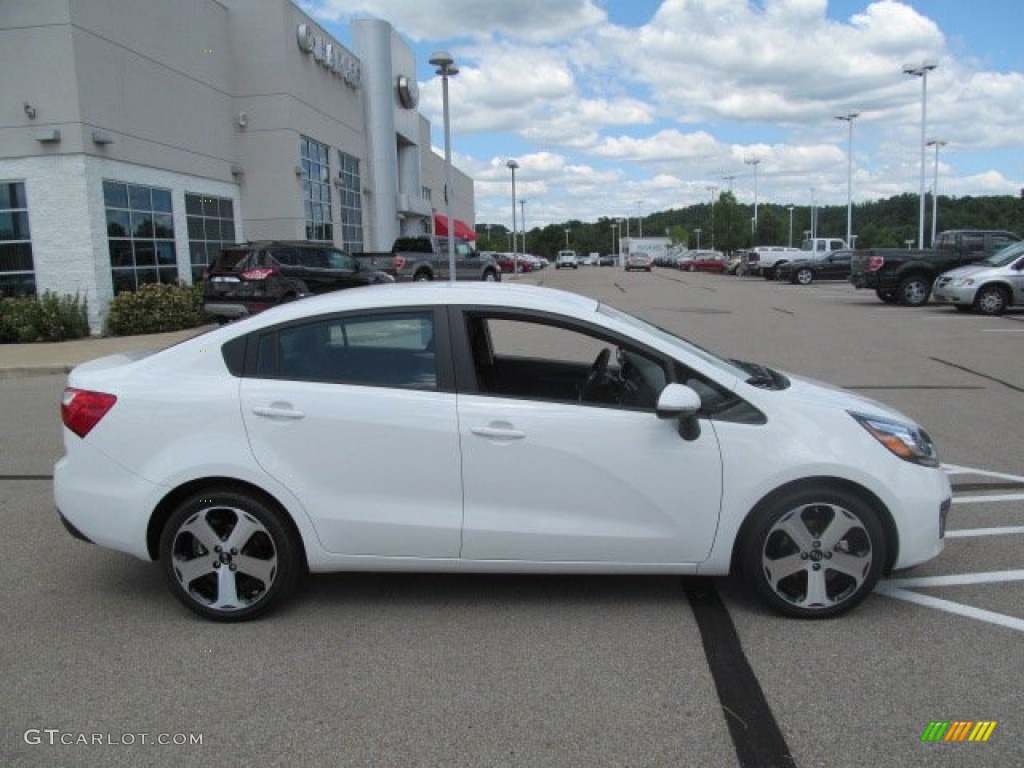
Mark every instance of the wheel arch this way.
pixel 824 482
pixel 165 508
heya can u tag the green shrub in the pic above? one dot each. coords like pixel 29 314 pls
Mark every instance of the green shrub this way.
pixel 156 308
pixel 45 318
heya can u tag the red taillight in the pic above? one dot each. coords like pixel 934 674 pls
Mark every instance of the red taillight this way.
pixel 81 410
pixel 875 263
pixel 399 263
pixel 261 273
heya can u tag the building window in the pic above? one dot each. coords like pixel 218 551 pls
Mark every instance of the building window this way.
pixel 140 234
pixel 17 272
pixel 316 190
pixel 211 226
pixel 350 203
pixel 428 194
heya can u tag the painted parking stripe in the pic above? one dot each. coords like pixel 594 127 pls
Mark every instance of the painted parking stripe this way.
pixel 966 533
pixel 989 498
pixel 956 469
pixel 958 579
pixel 948 606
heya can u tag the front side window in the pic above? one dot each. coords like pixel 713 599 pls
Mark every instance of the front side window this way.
pixel 17 271
pixel 211 226
pixel 533 359
pixel 379 350
pixel 140 235
pixel 316 190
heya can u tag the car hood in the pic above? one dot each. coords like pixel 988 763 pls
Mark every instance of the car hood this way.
pixel 967 271
pixel 816 393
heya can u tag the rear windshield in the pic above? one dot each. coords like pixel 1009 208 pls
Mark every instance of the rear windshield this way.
pixel 231 261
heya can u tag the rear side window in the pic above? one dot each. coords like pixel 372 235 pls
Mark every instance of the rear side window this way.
pixel 379 350
pixel 232 261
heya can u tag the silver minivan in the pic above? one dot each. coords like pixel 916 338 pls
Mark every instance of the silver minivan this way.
pixel 988 286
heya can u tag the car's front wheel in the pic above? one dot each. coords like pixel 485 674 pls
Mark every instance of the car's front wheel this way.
pixel 914 291
pixel 228 556
pixel 991 300
pixel 804 276
pixel 814 553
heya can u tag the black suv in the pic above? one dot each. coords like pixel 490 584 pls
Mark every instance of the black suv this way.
pixel 248 278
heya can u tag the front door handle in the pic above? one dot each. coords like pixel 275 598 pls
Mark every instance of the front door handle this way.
pixel 499 431
pixel 278 411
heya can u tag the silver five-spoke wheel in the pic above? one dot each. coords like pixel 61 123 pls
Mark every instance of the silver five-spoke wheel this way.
pixel 815 553
pixel 227 556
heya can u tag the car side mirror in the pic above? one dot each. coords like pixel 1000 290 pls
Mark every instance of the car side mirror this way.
pixel 678 401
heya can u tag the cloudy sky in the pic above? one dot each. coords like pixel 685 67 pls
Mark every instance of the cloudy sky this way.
pixel 620 107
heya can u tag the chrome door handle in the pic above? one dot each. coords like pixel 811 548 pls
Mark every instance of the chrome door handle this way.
pixel 500 433
pixel 277 412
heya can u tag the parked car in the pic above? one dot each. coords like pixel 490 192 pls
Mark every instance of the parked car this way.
pixel 828 266
pixel 422 258
pixel 705 261
pixel 510 262
pixel 567 260
pixel 763 259
pixel 639 261
pixel 247 456
pixel 251 277
pixel 606 260
pixel 989 286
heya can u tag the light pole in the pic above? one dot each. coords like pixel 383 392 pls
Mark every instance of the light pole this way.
pixel 754 162
pixel 849 118
pixel 712 190
pixel 446 68
pixel 790 209
pixel 922 71
pixel 615 239
pixel 640 218
pixel 814 217
pixel 935 185
pixel 512 165
pixel 567 239
pixel 522 210
pixel 697 231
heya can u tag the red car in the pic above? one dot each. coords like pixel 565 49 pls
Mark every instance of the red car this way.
pixel 507 262
pixel 705 261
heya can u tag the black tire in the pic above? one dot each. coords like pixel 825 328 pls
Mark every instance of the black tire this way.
pixel 802 573
pixel 422 277
pixel 991 300
pixel 490 276
pixel 804 276
pixel 768 274
pixel 197 547
pixel 913 291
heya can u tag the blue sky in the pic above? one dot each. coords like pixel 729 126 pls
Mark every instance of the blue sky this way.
pixel 619 107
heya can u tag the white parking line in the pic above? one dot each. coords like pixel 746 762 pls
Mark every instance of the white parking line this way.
pixel 988 498
pixel 965 533
pixel 948 606
pixel 956 469
pixel 958 579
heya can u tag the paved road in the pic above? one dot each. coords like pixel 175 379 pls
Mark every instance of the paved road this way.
pixel 410 670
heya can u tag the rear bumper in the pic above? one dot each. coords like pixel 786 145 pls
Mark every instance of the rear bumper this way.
pixel 234 310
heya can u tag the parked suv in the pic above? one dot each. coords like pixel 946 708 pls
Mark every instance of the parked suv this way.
pixel 988 286
pixel 251 277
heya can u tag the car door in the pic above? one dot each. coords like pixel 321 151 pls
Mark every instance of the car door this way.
pixel 835 266
pixel 549 477
pixel 355 415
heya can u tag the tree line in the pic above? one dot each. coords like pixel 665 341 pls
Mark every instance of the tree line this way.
pixel 728 225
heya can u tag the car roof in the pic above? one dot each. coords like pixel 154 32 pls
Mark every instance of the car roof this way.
pixel 399 295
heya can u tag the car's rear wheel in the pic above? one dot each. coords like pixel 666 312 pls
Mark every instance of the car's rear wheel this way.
pixel 991 300
pixel 228 556
pixel 490 276
pixel 804 276
pixel 422 276
pixel 814 553
pixel 914 291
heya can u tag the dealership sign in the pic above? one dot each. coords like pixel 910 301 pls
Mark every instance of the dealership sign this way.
pixel 329 55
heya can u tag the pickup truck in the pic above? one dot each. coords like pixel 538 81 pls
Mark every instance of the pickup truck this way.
pixel 905 275
pixel 763 259
pixel 425 257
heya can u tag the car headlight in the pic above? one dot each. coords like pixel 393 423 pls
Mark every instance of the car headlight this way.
pixel 908 441
pixel 963 282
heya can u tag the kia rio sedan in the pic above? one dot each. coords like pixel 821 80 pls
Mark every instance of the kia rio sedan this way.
pixel 372 430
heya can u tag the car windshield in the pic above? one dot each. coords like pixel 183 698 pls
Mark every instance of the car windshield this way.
pixel 725 366
pixel 1004 256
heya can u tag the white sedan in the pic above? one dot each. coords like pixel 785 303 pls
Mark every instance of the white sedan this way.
pixel 372 429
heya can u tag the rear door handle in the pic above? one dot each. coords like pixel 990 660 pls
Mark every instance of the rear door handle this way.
pixel 278 411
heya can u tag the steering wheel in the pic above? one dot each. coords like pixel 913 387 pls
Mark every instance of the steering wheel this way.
pixel 598 371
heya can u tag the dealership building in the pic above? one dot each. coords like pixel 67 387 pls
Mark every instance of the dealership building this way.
pixel 139 136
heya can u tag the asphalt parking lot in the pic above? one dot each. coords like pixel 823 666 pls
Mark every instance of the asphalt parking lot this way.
pixel 101 664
